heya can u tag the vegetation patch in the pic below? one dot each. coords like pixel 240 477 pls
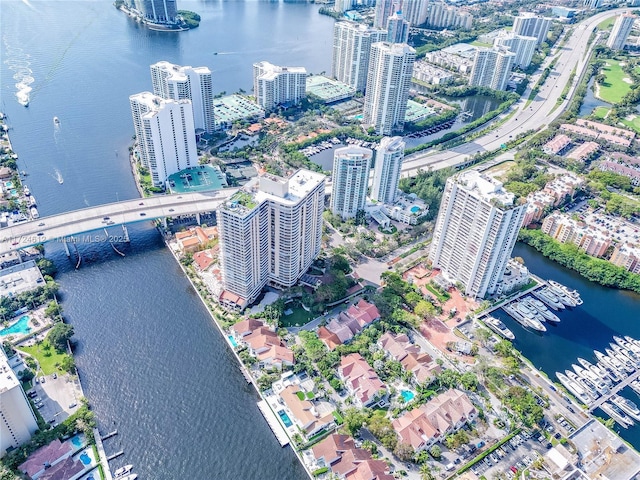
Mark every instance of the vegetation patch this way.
pixel 600 113
pixel 633 122
pixel 611 84
pixel 440 295
pixel 48 357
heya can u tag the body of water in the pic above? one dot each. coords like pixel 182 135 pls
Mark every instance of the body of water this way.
pixel 590 102
pixel 151 361
pixel 606 312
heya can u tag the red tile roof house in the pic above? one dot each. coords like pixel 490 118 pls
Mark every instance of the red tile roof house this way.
pixel 305 414
pixel 339 453
pixel 422 427
pixel 263 343
pixel 343 328
pixel 413 360
pixel 361 381
pixel 49 455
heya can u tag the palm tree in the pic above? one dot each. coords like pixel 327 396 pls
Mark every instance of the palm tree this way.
pixel 425 472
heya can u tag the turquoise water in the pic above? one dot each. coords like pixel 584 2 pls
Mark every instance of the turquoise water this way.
pixel 285 418
pixel 407 395
pixel 76 441
pixel 8 184
pixel 232 341
pixel 86 459
pixel 14 192
pixel 415 209
pixel 20 327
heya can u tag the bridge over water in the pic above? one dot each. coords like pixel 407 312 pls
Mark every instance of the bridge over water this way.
pixel 64 225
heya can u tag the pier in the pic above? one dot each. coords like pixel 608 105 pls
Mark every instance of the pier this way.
pixel 115 455
pixel 273 422
pixel 634 376
pixel 104 461
pixel 110 434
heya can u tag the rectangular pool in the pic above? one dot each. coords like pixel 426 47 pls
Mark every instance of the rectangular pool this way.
pixel 232 341
pixel 285 418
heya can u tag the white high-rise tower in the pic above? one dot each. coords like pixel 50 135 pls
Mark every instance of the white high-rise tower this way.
pixel 415 11
pixel 522 47
pixel 620 31
pixel 351 52
pixel 475 232
pixel 276 86
pixel 386 173
pixel 397 28
pixel 383 10
pixel 351 167
pixel 491 68
pixel 179 83
pixel 165 134
pixel 530 25
pixel 388 83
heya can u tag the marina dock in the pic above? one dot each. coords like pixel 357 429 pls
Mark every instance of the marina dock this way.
pixel 604 398
pixel 103 456
pixel 273 422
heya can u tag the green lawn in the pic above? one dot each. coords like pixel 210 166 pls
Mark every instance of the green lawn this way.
pixel 443 297
pixel 476 43
pixel 632 124
pixel 600 113
pixel 606 24
pixel 299 316
pixel 614 87
pixel 47 358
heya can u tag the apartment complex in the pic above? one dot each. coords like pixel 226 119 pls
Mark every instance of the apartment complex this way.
pixel 351 167
pixel 17 420
pixel 276 86
pixel 522 47
pixel 351 52
pixel 416 11
pixel 475 232
pixel 156 11
pixel 443 16
pixel 383 10
pixel 491 68
pixel 553 194
pixel 620 31
pixel 165 134
pixel 531 25
pixel 270 232
pixel 622 164
pixel 594 241
pixel 386 173
pixel 388 82
pixel 397 29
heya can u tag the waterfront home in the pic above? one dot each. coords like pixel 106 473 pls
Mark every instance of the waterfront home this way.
pixel 245 327
pixel 191 240
pixel 361 381
pixel 347 324
pixel 309 416
pixel 46 458
pixel 204 259
pixel 277 356
pixel 263 343
pixel 344 459
pixel 423 426
pixel 400 348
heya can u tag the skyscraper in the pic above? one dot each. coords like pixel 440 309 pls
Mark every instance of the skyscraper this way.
pixel 156 11
pixel 415 11
pixel 620 31
pixel 475 232
pixel 386 173
pixel 179 83
pixel 491 68
pixel 276 86
pixel 397 28
pixel 530 25
pixel 351 52
pixel 522 47
pixel 270 232
pixel 388 82
pixel 165 134
pixel 17 420
pixel 384 9
pixel 442 15
pixel 350 180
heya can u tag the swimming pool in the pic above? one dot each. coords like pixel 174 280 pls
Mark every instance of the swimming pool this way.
pixel 77 441
pixel 415 209
pixel 232 341
pixel 285 418
pixel 407 395
pixel 86 459
pixel 21 327
pixel 8 184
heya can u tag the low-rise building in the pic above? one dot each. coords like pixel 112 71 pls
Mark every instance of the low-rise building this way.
pixel 344 459
pixel 426 425
pixel 594 241
pixel 627 257
pixel 232 108
pixel 328 90
pixel 347 324
pixel 408 209
pixel 194 238
pixel 557 146
pixel 401 349
pixel 307 416
pixel 361 381
pixel 584 151
pixel 457 61
pixel 262 343
pixel 515 276
pixel 427 73
pixel 623 165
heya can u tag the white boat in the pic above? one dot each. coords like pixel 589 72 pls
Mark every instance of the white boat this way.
pixel 627 406
pixel 56 121
pixel 593 379
pixel 123 470
pixel 626 353
pixel 617 414
pixel 596 371
pixel 524 321
pixel 635 386
pixel 26 190
pixel 588 387
pixel 34 212
pixel 611 372
pixel 573 387
pixel 562 296
pixel 59 177
pixel 542 309
pixel 32 201
pixel 499 327
pixel 632 340
pixel 626 364
pixel 613 363
pixel 548 298
pixel 571 293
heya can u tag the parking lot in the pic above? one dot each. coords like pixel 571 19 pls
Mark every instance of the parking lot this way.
pixel 514 456
pixel 56 398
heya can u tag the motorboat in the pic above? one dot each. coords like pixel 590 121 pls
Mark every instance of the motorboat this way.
pixel 26 190
pixel 34 213
pixel 587 386
pixel 499 327
pixel 562 296
pixel 596 371
pixel 627 364
pixel 611 372
pixel 524 321
pixel 617 414
pixel 56 121
pixel 542 309
pixel 123 470
pixel 573 294
pixel 626 405
pixel 548 298
pixel 611 362
pixel 528 312
pixel 593 379
pixel 635 386
pixel 632 340
pixel 626 353
pixel 573 387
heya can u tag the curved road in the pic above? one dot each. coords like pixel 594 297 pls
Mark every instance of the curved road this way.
pixel 537 115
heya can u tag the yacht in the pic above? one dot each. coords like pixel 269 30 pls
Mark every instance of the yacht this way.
pixel 548 298
pixel 573 387
pixel 499 327
pixel 593 379
pixel 628 345
pixel 617 414
pixel 123 470
pixel 627 364
pixel 524 321
pixel 528 312
pixel 627 406
pixel 588 387
pixel 611 362
pixel 626 353
pixel 596 371
pixel 611 372
pixel 26 190
pixel 541 308
pixel 573 294
pixel 34 213
pixel 635 385
pixel 56 121
pixel 32 201
pixel 562 296
pixel 632 340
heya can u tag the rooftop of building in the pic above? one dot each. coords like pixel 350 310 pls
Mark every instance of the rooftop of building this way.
pixel 462 49
pixel 230 108
pixel 327 89
pixel 485 187
pixel 417 111
pixel 201 178
pixel 271 71
pixel 8 379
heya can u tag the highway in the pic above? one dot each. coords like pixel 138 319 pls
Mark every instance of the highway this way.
pixel 533 117
pixel 58 227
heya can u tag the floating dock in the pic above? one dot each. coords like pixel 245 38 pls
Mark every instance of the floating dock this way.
pixel 274 424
